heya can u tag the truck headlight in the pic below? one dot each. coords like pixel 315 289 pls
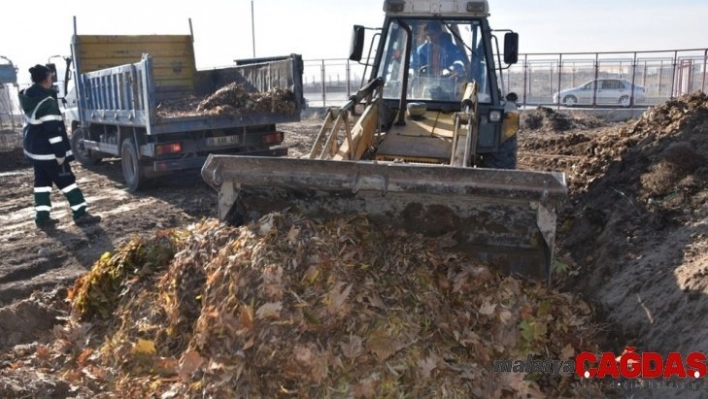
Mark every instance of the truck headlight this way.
pixel 494 116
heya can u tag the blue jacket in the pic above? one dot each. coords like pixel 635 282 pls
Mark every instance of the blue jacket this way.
pixel 450 56
pixel 44 133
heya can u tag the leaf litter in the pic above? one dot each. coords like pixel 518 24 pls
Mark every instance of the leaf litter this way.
pixel 288 306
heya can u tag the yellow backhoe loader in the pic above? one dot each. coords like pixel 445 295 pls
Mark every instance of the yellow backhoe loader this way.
pixel 427 144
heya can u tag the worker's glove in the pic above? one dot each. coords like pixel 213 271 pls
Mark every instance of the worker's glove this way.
pixel 60 160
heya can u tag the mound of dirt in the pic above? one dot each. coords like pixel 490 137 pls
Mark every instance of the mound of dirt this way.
pixel 636 224
pixel 233 100
pixel 546 118
pixel 288 306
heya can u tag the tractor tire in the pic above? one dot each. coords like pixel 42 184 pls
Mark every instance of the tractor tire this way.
pixel 505 158
pixel 133 172
pixel 84 156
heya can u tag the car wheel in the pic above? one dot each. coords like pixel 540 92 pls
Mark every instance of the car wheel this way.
pixel 570 101
pixel 624 101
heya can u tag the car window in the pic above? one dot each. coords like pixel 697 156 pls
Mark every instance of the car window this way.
pixel 588 86
pixel 612 85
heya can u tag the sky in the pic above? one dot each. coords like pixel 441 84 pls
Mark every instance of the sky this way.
pixel 322 28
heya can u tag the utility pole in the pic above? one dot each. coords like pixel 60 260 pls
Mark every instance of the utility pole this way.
pixel 253 31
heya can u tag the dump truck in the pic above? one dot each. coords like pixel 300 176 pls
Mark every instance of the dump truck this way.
pixel 142 99
pixel 432 151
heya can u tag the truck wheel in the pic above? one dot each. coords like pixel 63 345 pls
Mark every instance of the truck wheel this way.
pixel 84 156
pixel 505 158
pixel 132 169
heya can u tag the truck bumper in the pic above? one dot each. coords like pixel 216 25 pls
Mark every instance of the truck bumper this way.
pixel 170 165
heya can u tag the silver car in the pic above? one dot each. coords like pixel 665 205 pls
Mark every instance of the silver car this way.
pixel 609 92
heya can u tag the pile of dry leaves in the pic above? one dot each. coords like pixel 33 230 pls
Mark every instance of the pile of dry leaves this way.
pixel 232 100
pixel 287 306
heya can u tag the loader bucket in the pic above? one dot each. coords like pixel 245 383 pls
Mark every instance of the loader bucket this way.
pixel 506 218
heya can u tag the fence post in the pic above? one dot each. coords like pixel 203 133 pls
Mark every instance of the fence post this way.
pixel 705 62
pixel 560 71
pixel 572 76
pixel 661 75
pixel 597 72
pixel 634 74
pixel 644 77
pixel 349 80
pixel 673 76
pixel 526 67
pixel 324 84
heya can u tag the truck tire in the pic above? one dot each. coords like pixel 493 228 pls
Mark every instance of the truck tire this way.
pixel 505 158
pixel 132 168
pixel 84 156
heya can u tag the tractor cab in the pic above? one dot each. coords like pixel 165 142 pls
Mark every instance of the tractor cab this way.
pixel 427 55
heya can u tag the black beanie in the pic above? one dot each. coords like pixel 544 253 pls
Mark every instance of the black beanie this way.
pixel 39 73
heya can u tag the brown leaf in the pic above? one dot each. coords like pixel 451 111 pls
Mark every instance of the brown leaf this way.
pixel 73 376
pixel 426 366
pixel 376 301
pixel 523 388
pixel 354 348
pixel 83 357
pixel 292 234
pixel 487 308
pixel 246 317
pixel 337 298
pixel 42 352
pixel 567 352
pixel 367 388
pixel 383 347
pixel 269 310
pixel 191 361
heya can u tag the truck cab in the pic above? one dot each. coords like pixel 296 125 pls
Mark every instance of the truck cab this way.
pixel 428 51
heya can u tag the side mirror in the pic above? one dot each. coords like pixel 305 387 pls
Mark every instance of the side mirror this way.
pixel 511 48
pixel 357 46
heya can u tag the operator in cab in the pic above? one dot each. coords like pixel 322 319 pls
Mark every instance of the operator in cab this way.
pixel 439 53
pixel 439 58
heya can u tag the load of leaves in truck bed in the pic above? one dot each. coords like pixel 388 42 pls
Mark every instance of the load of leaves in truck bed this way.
pixel 231 100
pixel 289 306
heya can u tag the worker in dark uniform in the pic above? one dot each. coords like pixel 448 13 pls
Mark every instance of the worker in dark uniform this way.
pixel 46 146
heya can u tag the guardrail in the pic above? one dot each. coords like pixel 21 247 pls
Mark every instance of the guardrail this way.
pixel 537 77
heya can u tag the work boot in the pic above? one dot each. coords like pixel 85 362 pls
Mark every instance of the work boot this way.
pixel 86 219
pixel 46 223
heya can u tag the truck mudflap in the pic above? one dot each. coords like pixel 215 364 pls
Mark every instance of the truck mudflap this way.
pixel 506 218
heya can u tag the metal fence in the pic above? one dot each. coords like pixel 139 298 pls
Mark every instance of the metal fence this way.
pixel 537 77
